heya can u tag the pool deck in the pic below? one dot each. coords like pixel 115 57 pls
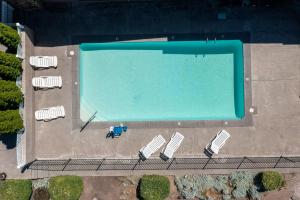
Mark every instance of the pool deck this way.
pixel 275 81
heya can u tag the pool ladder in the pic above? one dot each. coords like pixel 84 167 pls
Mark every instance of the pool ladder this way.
pixel 215 39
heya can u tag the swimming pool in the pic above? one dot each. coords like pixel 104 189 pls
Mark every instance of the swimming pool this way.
pixel 162 81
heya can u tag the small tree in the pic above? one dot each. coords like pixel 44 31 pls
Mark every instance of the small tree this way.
pixel 9 73
pixel 10 60
pixel 9 36
pixel 10 95
pixel 10 122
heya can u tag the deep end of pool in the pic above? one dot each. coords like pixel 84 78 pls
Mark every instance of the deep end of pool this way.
pixel 162 81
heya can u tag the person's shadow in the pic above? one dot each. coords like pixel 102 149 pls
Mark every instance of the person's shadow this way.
pixel 9 140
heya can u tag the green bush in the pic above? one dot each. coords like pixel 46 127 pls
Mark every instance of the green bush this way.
pixel 9 73
pixel 10 95
pixel 65 187
pixel 154 187
pixel 10 122
pixel 10 60
pixel 15 190
pixel 272 180
pixel 9 36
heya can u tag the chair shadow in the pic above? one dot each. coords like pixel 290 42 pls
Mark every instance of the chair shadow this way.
pixel 163 157
pixel 141 157
pixel 45 89
pixel 207 153
pixel 10 141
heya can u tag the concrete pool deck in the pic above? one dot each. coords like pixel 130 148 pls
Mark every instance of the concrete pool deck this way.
pixel 275 93
pixel 275 88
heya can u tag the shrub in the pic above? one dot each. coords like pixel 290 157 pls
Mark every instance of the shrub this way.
pixel 15 190
pixel 9 36
pixel 253 193
pixel 154 187
pixel 238 185
pixel 10 95
pixel 242 182
pixel 10 60
pixel 41 194
pixel 10 122
pixel 65 187
pixel 186 186
pixel 272 180
pixel 196 186
pixel 40 183
pixel 9 73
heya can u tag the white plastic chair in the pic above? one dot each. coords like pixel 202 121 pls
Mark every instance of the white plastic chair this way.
pixel 156 143
pixel 43 61
pixel 218 142
pixel 50 113
pixel 47 81
pixel 172 146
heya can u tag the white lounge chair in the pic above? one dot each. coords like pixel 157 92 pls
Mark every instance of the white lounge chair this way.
pixel 172 146
pixel 43 61
pixel 152 146
pixel 47 81
pixel 50 113
pixel 218 142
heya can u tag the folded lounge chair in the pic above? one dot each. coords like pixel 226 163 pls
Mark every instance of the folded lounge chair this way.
pixel 172 146
pixel 47 81
pixel 43 61
pixel 50 113
pixel 218 142
pixel 152 147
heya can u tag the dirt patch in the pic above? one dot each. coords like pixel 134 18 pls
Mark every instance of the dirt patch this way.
pixel 130 184
pixel 292 182
pixel 282 194
pixel 114 188
pixel 174 194
pixel 101 188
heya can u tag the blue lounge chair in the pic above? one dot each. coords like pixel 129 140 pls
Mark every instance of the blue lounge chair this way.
pixel 116 131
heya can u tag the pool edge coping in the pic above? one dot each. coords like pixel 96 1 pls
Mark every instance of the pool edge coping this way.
pixel 247 121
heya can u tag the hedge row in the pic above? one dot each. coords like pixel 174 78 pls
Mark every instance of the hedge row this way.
pixel 10 95
pixel 9 36
pixel 15 190
pixel 10 122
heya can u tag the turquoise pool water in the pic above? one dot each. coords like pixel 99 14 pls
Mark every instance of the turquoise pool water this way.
pixel 156 81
